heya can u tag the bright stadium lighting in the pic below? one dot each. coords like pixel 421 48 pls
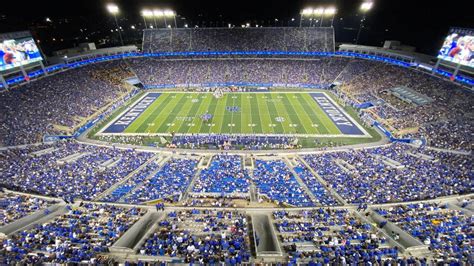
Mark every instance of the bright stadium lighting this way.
pixel 158 13
pixel 169 13
pixel 318 11
pixel 132 27
pixel 147 13
pixel 48 20
pixel 366 6
pixel 248 25
pixel 331 11
pixel 307 11
pixel 185 25
pixel 113 9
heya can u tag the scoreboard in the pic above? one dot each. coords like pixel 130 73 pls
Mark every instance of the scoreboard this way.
pixel 458 47
pixel 18 49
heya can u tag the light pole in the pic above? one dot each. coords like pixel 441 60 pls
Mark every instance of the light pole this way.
pixel 170 14
pixel 305 12
pixel 364 8
pixel 330 12
pixel 114 10
pixel 146 14
pixel 319 12
pixel 156 13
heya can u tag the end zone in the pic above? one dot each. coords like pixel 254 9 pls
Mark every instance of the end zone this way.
pixel 119 124
pixel 343 121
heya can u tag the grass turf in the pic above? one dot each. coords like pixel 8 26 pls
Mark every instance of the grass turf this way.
pixel 235 113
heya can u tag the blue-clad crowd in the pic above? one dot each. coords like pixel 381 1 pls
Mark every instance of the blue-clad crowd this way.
pixel 331 237
pixel 76 236
pixel 443 120
pixel 14 206
pixel 275 180
pixel 119 194
pixel 225 175
pixel 171 181
pixel 57 104
pixel 90 171
pixel 225 141
pixel 323 196
pixel 393 173
pixel 448 232
pixel 201 237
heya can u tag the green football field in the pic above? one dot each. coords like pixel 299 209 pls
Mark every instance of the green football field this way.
pixel 234 113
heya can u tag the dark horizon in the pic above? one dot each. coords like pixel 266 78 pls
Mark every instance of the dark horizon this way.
pixel 417 23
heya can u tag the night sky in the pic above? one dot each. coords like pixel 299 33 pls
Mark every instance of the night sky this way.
pixel 422 24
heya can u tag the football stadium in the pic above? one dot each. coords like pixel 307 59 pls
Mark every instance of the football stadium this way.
pixel 185 138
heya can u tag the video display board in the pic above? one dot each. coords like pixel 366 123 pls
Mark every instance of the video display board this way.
pixel 458 47
pixel 16 49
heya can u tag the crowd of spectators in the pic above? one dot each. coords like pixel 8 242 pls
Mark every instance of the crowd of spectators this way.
pixel 225 175
pixel 154 71
pixel 201 237
pixel 210 201
pixel 453 134
pixel 323 196
pixel 239 39
pixel 170 182
pixel 57 104
pixel 331 237
pixel 75 237
pixel 15 206
pixel 445 122
pixel 119 194
pixel 221 141
pixel 391 174
pixel 275 180
pixel 446 231
pixel 68 170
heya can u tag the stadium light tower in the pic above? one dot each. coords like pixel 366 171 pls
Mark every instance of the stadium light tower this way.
pixel 305 12
pixel 314 13
pixel 364 8
pixel 160 13
pixel 170 14
pixel 330 12
pixel 146 14
pixel 157 14
pixel 114 10
pixel 319 12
